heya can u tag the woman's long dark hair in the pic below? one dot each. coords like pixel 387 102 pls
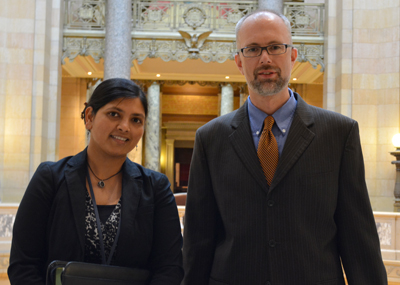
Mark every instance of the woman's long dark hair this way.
pixel 112 89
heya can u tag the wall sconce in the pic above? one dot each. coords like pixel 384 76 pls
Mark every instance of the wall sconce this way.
pixel 396 143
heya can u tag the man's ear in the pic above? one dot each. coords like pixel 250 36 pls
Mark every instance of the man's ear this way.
pixel 293 56
pixel 89 116
pixel 238 62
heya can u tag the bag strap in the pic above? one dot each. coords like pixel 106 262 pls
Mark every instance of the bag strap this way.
pixel 96 211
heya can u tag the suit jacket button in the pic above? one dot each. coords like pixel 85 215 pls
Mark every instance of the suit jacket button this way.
pixel 268 283
pixel 272 243
pixel 271 203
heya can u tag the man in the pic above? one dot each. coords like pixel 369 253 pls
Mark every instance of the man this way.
pixel 295 219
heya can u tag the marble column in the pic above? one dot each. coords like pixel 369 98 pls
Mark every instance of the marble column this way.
pixel 118 43
pixel 276 5
pixel 152 131
pixel 226 99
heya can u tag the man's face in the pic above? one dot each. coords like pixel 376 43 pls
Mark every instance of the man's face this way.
pixel 267 74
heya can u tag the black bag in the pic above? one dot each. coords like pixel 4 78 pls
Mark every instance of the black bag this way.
pixel 81 273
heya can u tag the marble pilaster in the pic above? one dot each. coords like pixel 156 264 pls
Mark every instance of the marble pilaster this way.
pixel 30 80
pixel 355 34
pixel 226 99
pixel 153 127
pixel 118 43
pixel 276 5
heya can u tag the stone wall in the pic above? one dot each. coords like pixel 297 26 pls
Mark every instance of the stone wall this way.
pixel 362 82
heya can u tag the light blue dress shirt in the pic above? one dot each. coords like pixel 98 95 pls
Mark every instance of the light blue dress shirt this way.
pixel 283 119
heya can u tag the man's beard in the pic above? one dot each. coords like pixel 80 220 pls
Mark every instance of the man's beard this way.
pixel 268 87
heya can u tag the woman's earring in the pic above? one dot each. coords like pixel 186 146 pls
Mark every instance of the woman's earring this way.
pixel 136 147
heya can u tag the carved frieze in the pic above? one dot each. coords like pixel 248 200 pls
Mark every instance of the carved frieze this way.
pixel 314 54
pixel 242 86
pixel 72 47
pixel 177 50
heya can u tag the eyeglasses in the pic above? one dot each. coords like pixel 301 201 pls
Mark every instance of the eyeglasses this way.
pixel 274 49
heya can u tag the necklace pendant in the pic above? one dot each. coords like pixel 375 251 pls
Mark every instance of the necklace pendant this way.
pixel 101 184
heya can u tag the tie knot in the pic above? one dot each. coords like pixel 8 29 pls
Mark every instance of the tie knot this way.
pixel 268 123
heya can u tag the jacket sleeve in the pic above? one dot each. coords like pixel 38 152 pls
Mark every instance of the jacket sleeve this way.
pixel 166 254
pixel 359 245
pixel 28 249
pixel 201 220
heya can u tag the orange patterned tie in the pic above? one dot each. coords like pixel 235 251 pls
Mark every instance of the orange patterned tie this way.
pixel 267 151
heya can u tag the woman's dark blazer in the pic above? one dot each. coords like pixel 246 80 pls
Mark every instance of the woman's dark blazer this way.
pixel 50 223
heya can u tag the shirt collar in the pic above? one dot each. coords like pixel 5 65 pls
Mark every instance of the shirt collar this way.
pixel 282 116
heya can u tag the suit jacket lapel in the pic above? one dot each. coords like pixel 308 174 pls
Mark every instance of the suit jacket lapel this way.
pixel 75 178
pixel 132 184
pixel 242 142
pixel 299 137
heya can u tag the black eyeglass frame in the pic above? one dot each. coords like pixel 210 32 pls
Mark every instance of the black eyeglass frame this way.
pixel 266 48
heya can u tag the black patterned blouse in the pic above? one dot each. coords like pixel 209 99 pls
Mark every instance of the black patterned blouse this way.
pixel 109 230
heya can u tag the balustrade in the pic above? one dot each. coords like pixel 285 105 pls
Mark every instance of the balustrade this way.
pixel 171 16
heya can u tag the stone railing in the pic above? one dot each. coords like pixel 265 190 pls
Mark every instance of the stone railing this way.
pixel 388 226
pixel 161 16
pixel 7 218
pixel 199 16
pixel 306 19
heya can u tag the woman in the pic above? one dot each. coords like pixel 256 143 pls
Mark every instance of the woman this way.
pixel 57 217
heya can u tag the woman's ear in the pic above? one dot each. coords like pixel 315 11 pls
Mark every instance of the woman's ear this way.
pixel 89 117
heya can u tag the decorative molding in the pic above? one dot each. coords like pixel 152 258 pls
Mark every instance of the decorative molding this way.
pixel 242 86
pixel 167 50
pixel 194 42
pixel 72 47
pixel 177 50
pixel 385 233
pixel 314 54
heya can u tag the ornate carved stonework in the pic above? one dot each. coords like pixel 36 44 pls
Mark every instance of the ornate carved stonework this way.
pixel 87 15
pixel 306 20
pixel 233 17
pixel 194 16
pixel 314 54
pixel 167 50
pixel 179 51
pixel 158 17
pixel 235 85
pixel 6 225
pixel 385 233
pixel 72 47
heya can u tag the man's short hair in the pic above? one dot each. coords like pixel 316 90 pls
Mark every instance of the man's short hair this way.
pixel 260 11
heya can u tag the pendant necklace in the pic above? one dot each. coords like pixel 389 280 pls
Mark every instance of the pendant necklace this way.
pixel 101 183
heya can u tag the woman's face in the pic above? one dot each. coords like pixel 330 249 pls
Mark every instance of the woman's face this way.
pixel 117 126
